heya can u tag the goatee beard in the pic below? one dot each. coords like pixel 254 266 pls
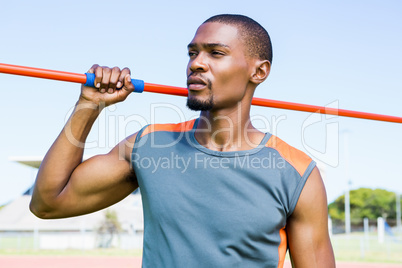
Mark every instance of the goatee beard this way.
pixel 197 105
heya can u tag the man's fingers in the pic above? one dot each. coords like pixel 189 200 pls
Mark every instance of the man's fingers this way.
pixel 114 79
pixel 92 69
pixel 108 80
pixel 126 71
pixel 113 84
pixel 106 74
pixel 128 86
pixel 98 76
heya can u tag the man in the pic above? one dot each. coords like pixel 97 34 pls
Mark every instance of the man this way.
pixel 220 193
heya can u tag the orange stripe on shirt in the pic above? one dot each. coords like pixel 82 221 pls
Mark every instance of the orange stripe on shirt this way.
pixel 180 127
pixel 299 160
pixel 283 247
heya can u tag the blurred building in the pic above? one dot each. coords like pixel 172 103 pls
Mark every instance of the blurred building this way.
pixel 76 232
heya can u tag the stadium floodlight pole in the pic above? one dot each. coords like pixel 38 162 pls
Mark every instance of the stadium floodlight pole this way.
pixel 140 86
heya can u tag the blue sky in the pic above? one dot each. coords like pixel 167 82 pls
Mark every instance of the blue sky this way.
pixel 342 54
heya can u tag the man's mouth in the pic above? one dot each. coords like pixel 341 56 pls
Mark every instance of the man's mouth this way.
pixel 195 83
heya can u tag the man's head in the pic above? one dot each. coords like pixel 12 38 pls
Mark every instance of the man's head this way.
pixel 252 34
pixel 229 56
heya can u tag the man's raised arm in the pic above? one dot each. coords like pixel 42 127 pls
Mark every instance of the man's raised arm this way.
pixel 66 186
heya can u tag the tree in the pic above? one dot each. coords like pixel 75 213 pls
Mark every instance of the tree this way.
pixel 365 203
pixel 108 228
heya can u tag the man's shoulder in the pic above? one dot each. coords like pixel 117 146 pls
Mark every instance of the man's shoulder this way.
pixel 295 157
pixel 168 127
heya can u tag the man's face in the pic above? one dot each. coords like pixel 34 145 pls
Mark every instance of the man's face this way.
pixel 218 69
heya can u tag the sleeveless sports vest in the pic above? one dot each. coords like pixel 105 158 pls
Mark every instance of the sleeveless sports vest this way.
pixel 205 208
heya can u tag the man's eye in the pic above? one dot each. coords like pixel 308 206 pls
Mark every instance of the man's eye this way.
pixel 217 53
pixel 191 53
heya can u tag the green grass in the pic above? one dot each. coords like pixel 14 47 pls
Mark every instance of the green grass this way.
pixel 25 245
pixel 356 248
pixel 347 248
pixel 20 243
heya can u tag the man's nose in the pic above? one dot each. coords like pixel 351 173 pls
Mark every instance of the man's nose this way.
pixel 199 63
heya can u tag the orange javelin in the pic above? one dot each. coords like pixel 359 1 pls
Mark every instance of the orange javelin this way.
pixel 88 79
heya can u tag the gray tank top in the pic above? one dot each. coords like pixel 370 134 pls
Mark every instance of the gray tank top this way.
pixel 205 208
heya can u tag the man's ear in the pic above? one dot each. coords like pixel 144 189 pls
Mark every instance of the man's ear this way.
pixel 261 71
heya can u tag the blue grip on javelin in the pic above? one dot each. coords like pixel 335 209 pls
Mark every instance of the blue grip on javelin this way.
pixel 90 80
pixel 138 84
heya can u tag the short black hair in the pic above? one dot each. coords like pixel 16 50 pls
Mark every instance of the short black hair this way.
pixel 254 36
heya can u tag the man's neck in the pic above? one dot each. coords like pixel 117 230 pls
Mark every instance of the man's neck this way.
pixel 228 129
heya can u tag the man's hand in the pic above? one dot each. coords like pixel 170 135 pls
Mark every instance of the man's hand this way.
pixel 112 85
